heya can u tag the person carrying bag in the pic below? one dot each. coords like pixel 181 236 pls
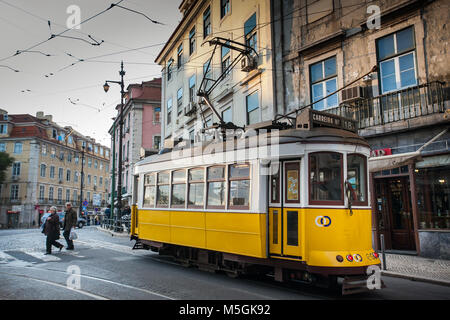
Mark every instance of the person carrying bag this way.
pixel 70 221
pixel 51 230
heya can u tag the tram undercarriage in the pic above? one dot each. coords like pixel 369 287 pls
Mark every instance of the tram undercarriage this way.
pixel 349 280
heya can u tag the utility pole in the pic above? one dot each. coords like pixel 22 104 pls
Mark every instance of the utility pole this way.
pixel 82 177
pixel 113 169
pixel 119 178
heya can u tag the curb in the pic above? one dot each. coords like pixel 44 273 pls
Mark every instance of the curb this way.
pixel 415 278
pixel 112 233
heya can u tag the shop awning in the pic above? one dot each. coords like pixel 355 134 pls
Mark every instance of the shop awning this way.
pixel 398 160
pixel 392 161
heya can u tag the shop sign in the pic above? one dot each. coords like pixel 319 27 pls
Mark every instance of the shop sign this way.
pixel 381 152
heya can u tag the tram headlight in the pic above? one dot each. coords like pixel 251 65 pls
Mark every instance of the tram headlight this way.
pixel 339 258
pixel 350 258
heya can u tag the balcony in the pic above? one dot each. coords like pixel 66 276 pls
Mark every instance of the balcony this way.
pixel 402 105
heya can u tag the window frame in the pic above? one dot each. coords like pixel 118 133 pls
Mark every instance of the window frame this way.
pixel 286 165
pixel 366 189
pixel 230 179
pixel 163 184
pixel 257 108
pixel 172 183
pixel 207 28
pixel 326 202
pixel 224 180
pixel 225 8
pixel 192 40
pixel 323 82
pixel 189 182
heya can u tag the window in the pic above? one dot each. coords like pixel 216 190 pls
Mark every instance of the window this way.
pixel 43 167
pixel 41 193
pixel 90 162
pixel 95 180
pixel 169 111
pixel 70 139
pixel 433 197
pixel 77 158
pixel 397 61
pixel 251 38
pixel 162 191
pixel 180 56
pixel 227 115
pixel 14 195
pixel 52 172
pixel 101 151
pixel 4 129
pixel 54 134
pixel 16 169
pixel 75 176
pixel 96 147
pixel 275 188
pixel 51 191
pixel 157 114
pixel 149 190
pixel 226 56
pixel 100 182
pixel 69 157
pixel 60 195
pixel 325 177
pixel 357 179
pixel 180 101
pixel 44 149
pixel 323 82
pixel 61 155
pixel 207 22
pixel 2 147
pixel 239 194
pixel 292 182
pixel 60 174
pixel 216 187
pixel 192 46
pixel 169 69
pixel 196 178
pixel 18 147
pixel 89 179
pixel 75 195
pixel 68 175
pixel 156 142
pixel 192 88
pixel 53 152
pixel 252 102
pixel 96 163
pixel 178 189
pixel 67 195
pixel 224 8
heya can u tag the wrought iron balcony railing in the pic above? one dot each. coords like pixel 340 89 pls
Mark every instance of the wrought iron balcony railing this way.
pixel 408 103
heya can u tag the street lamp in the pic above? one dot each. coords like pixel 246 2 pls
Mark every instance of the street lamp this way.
pixel 119 178
pixel 82 177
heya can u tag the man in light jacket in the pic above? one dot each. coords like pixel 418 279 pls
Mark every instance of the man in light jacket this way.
pixel 70 221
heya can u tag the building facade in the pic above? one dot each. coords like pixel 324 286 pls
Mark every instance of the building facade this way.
pixel 47 169
pixel 401 108
pixel 141 130
pixel 244 96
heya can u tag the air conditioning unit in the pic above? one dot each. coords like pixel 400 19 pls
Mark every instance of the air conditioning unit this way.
pixel 352 94
pixel 248 63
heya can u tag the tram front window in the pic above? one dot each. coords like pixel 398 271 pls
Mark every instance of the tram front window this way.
pixel 356 177
pixel 326 178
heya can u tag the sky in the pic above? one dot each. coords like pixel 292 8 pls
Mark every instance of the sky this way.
pixel 52 84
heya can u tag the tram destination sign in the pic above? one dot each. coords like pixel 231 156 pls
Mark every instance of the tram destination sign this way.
pixel 310 118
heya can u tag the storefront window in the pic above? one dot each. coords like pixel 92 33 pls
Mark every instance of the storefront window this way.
pixel 325 175
pixel 433 197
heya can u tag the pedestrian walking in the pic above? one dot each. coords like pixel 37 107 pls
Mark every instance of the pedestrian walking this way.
pixel 51 230
pixel 70 221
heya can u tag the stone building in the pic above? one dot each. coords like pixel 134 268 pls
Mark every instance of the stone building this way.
pixel 245 94
pixel 47 169
pixel 321 46
pixel 141 130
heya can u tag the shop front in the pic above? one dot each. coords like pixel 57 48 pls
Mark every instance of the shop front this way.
pixel 411 206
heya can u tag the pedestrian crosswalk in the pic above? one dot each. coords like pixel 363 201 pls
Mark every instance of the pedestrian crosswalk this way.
pixel 28 257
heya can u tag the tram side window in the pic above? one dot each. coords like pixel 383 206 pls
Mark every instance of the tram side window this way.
pixel 178 188
pixel 196 179
pixel 325 174
pixel 216 187
pixel 357 177
pixel 162 194
pixel 239 176
pixel 149 190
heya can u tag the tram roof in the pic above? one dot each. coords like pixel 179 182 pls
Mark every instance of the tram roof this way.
pixel 315 135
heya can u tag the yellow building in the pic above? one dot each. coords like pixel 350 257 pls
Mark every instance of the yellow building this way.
pixel 47 169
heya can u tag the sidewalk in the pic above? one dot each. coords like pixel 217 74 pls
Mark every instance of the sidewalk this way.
pixel 417 268
pixel 113 233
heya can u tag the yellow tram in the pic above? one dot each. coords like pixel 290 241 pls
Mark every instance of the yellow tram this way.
pixel 301 211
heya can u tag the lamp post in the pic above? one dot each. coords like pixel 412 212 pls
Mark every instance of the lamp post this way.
pixel 82 178
pixel 119 178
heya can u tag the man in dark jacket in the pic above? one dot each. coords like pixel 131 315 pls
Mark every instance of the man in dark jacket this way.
pixel 70 221
pixel 51 230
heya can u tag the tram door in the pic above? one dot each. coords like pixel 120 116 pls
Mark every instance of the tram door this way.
pixel 284 211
